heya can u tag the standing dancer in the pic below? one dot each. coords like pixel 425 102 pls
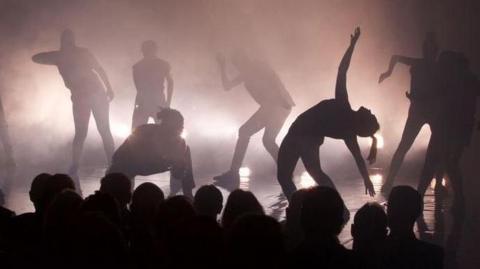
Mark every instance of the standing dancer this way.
pixel 266 88
pixel 149 75
pixel 423 97
pixel 7 148
pixel 330 118
pixel 87 81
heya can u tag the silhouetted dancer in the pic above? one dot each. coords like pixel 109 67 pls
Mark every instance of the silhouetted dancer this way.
pixel 87 81
pixel 423 97
pixel 266 88
pixel 7 148
pixel 157 148
pixel 149 75
pixel 330 118
pixel 402 248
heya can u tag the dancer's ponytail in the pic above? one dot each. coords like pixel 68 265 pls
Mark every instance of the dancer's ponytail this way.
pixel 372 156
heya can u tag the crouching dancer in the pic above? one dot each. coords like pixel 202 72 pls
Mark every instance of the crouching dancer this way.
pixel 157 148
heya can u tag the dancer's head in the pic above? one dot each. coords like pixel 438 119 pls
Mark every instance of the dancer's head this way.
pixel 366 123
pixel 67 39
pixel 171 119
pixel 149 48
pixel 430 46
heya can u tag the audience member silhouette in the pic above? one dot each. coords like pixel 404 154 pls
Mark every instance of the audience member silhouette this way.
pixel 293 226
pixel 105 204
pixel 322 218
pixel 255 240
pixel 81 72
pixel 208 201
pixel 149 75
pixel 330 118
pixel 369 232
pixel 120 188
pixel 266 88
pixel 423 96
pixel 403 249
pixel 146 199
pixel 25 237
pixel 8 151
pixel 196 242
pixel 5 217
pixel 157 148
pixel 239 203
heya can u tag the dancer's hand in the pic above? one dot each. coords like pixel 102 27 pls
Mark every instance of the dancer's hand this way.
pixel 354 37
pixel 221 60
pixel 369 188
pixel 110 95
pixel 384 76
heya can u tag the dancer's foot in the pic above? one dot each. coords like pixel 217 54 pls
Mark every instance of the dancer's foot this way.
pixel 229 180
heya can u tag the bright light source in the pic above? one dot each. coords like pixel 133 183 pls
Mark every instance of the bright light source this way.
pixel 244 172
pixel 306 181
pixel 380 141
pixel 120 130
pixel 244 179
pixel 432 184
pixel 376 178
pixel 184 134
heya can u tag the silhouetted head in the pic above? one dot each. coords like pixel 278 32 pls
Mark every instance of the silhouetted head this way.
pixel 430 46
pixel 67 39
pixel 293 211
pixel 322 212
pixel 119 186
pixel 404 206
pixel 208 201
pixel 149 49
pixel 366 123
pixel 145 201
pixel 2 198
pixel 37 191
pixel 171 119
pixel 255 239
pixel 103 203
pixel 62 212
pixel 239 203
pixel 369 226
pixel 173 211
pixel 240 60
pixel 46 187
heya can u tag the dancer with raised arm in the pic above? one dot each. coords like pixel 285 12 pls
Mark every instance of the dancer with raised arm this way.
pixel 266 88
pixel 332 118
pixel 423 97
pixel 149 75
pixel 91 93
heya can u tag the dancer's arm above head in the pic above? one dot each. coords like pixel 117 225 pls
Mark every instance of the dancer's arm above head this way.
pixel 341 84
pixel 50 58
pixel 169 87
pixel 226 83
pixel 103 75
pixel 354 148
pixel 393 61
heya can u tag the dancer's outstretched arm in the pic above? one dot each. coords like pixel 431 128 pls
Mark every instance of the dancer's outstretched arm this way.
pixel 352 145
pixel 393 61
pixel 341 85
pixel 226 83
pixel 50 58
pixel 103 75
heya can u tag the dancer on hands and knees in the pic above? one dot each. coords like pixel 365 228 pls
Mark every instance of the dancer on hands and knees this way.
pixel 157 148
pixel 423 98
pixel 149 75
pixel 332 118
pixel 266 88
pixel 91 93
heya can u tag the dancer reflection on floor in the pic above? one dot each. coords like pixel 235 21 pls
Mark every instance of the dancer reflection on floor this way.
pixel 157 148
pixel 91 93
pixel 332 118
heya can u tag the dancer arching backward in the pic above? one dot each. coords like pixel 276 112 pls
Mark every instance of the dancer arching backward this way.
pixel 330 118
pixel 87 81
pixel 149 75
pixel 157 148
pixel 266 88
pixel 423 97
